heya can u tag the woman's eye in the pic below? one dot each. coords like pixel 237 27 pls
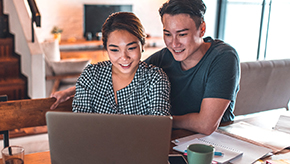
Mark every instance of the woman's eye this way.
pixel 114 50
pixel 132 48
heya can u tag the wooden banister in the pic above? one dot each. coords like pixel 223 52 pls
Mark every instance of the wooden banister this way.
pixel 35 17
pixel 28 113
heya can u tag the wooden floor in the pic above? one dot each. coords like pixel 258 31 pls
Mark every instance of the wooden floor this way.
pixel 26 132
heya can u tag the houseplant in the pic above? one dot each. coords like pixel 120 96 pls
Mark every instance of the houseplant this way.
pixel 56 31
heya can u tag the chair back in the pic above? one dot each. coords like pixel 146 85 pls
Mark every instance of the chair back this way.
pixel 26 113
pixel 18 114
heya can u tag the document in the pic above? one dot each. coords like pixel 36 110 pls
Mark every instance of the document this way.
pixel 271 139
pixel 250 152
pixel 279 159
pixel 283 124
pixel 226 154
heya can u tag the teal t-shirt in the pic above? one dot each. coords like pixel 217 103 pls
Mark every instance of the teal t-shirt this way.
pixel 217 75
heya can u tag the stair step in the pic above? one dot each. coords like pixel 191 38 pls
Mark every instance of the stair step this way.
pixel 6 47
pixel 14 88
pixel 9 67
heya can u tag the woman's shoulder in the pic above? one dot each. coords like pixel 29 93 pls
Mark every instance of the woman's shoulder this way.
pixel 95 69
pixel 99 65
pixel 151 71
pixel 103 64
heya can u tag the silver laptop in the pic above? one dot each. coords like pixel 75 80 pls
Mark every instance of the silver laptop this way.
pixel 83 138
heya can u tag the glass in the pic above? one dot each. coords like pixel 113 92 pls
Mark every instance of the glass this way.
pixel 13 155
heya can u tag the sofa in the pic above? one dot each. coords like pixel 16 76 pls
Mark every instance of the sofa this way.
pixel 264 85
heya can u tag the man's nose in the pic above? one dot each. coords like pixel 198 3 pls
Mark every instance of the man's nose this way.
pixel 175 42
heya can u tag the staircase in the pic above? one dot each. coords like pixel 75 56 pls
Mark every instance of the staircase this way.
pixel 12 82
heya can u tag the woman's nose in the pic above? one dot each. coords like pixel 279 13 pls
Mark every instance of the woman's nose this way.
pixel 125 55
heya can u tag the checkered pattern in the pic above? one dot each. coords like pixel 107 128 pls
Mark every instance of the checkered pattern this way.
pixel 147 94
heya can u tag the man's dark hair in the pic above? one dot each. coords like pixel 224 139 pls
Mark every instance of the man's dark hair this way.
pixel 195 8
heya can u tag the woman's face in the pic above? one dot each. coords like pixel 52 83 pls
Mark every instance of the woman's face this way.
pixel 124 50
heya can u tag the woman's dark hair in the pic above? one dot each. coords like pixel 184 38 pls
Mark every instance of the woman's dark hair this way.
pixel 195 8
pixel 123 21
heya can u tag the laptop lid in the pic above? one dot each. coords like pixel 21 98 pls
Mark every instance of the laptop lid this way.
pixel 76 138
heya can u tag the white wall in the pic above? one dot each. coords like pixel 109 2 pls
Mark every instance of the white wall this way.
pixel 68 15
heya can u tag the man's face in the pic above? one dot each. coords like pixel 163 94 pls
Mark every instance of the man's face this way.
pixel 181 36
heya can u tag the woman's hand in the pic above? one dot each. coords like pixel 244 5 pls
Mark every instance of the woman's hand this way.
pixel 62 96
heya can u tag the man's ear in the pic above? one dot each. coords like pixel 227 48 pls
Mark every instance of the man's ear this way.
pixel 202 29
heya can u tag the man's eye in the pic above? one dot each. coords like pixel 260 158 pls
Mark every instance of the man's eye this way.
pixel 182 34
pixel 132 48
pixel 167 34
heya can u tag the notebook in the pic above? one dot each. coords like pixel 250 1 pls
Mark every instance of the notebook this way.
pixel 227 153
pixel 76 138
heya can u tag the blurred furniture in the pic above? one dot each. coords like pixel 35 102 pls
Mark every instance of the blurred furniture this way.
pixel 264 85
pixel 59 71
pixel 94 50
pixel 19 114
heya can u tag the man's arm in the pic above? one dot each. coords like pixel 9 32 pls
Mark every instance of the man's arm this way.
pixel 62 96
pixel 207 120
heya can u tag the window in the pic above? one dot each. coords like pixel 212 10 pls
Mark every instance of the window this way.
pixel 257 29
pixel 279 30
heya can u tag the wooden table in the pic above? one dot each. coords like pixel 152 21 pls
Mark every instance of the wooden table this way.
pixel 36 158
pixel 257 119
pixel 44 157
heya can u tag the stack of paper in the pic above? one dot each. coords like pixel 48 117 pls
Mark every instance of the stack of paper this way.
pixel 228 154
pixel 251 152
pixel 283 124
pixel 273 139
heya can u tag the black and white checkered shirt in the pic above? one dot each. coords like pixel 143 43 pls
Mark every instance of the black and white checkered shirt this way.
pixel 147 94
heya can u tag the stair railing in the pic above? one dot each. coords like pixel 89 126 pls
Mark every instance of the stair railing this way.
pixel 35 17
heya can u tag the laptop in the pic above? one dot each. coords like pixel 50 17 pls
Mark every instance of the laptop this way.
pixel 88 138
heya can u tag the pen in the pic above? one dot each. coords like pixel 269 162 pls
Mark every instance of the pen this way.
pixel 216 153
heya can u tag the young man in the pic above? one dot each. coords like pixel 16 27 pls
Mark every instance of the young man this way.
pixel 204 73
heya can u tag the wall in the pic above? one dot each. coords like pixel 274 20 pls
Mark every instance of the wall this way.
pixel 68 15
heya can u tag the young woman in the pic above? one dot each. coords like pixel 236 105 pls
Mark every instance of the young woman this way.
pixel 124 84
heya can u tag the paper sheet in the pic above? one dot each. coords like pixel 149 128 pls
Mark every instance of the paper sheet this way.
pixel 272 139
pixel 251 152
pixel 283 124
